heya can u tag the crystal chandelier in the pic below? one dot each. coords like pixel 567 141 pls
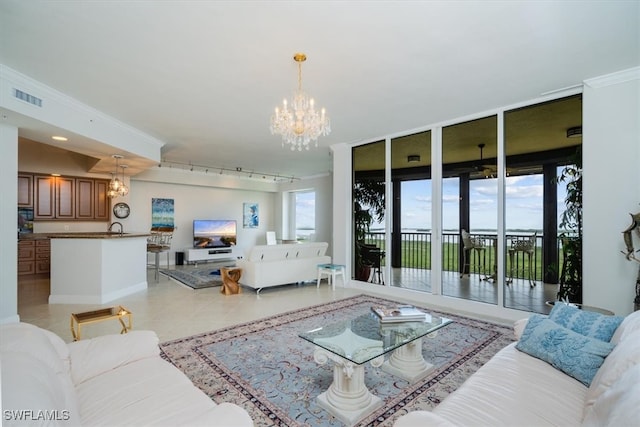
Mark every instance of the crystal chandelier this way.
pixel 302 123
pixel 117 187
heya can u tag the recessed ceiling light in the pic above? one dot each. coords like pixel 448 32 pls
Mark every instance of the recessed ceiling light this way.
pixel 59 138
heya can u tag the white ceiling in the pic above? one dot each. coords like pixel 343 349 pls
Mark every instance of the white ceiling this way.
pixel 204 76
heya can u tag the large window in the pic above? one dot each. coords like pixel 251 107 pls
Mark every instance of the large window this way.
pixel 369 210
pixel 469 163
pixel 304 203
pixel 539 141
pixel 410 252
pixel 498 199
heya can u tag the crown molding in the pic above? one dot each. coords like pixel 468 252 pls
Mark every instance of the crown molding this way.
pixel 614 78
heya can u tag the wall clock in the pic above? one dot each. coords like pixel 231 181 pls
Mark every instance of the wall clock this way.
pixel 121 210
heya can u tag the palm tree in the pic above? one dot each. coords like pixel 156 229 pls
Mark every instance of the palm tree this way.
pixel 571 220
pixel 368 204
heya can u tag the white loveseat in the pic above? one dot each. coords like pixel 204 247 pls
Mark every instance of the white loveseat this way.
pixel 113 380
pixel 515 389
pixel 273 265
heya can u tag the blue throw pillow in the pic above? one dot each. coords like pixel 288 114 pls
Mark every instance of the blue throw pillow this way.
pixel 574 354
pixel 588 323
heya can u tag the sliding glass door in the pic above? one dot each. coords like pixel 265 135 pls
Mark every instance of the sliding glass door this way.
pixel 469 245
pixel 410 252
pixel 485 255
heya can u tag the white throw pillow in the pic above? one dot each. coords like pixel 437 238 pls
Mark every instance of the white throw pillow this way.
pixel 629 325
pixel 625 355
pixel 518 327
pixel 618 405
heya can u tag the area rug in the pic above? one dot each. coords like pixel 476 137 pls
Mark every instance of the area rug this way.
pixel 267 369
pixel 196 278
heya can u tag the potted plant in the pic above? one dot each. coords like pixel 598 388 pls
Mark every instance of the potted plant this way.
pixel 570 288
pixel 362 219
pixel 369 193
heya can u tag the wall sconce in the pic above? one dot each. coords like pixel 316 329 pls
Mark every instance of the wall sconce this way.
pixel 412 158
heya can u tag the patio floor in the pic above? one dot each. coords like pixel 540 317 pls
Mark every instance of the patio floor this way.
pixel 518 294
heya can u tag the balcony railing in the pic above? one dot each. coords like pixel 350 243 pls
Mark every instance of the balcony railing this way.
pixel 416 253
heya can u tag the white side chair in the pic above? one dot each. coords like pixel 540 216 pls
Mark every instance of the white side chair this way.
pixel 271 238
pixel 331 271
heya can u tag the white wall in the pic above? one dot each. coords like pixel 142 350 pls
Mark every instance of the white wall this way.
pixel 199 202
pixel 611 184
pixel 8 224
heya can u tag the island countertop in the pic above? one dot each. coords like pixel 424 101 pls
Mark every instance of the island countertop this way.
pixel 96 267
pixel 83 235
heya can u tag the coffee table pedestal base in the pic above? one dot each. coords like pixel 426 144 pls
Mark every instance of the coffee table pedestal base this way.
pixel 407 362
pixel 347 398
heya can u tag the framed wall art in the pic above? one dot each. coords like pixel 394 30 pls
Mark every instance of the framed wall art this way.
pixel 162 214
pixel 250 215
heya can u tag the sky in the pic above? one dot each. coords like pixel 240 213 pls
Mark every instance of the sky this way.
pixel 523 204
pixel 305 210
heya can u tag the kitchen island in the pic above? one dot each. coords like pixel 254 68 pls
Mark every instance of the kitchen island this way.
pixel 97 267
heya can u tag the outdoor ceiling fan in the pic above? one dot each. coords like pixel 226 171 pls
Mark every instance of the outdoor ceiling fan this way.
pixel 488 171
pixel 491 171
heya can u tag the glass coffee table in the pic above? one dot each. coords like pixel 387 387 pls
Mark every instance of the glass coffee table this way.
pixel 352 343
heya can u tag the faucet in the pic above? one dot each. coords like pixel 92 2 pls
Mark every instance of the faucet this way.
pixel 114 223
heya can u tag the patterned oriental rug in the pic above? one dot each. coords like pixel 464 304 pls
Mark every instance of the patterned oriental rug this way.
pixel 196 278
pixel 266 368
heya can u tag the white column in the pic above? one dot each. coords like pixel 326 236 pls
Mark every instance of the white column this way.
pixel 9 224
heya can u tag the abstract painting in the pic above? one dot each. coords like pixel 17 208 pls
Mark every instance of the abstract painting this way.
pixel 162 213
pixel 250 218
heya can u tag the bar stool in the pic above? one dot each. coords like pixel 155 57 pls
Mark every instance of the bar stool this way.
pixel 472 244
pixel 159 241
pixel 527 247
pixel 331 271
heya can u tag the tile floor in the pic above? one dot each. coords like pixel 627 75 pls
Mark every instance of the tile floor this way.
pixel 174 310
pixel 171 309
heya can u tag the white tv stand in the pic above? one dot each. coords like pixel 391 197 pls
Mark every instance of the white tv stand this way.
pixel 193 256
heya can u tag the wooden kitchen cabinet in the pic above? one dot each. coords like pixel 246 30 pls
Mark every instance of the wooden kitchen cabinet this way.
pixel 34 256
pixel 69 198
pixel 85 198
pixel 54 197
pixel 65 197
pixel 102 202
pixel 43 256
pixel 25 191
pixel 44 195
pixel 26 257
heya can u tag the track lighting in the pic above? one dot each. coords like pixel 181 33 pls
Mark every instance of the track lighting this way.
pixel 238 170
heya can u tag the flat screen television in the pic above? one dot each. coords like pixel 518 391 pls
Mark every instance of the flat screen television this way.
pixel 214 233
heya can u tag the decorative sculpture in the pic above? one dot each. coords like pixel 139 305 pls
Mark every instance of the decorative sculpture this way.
pixel 230 277
pixel 630 254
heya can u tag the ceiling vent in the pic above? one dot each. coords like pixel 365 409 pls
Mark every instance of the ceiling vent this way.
pixel 24 96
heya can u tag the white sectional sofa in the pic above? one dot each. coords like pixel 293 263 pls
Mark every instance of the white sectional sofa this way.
pixel 516 389
pixel 113 380
pixel 273 265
